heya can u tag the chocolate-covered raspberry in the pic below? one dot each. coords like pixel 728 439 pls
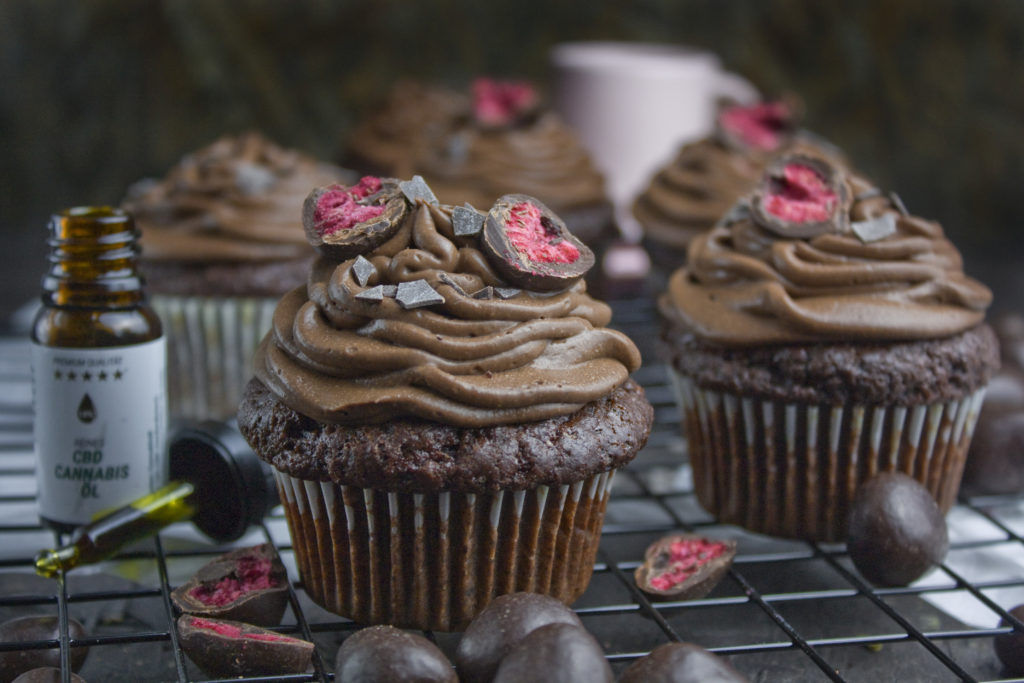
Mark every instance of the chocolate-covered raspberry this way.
pixel 248 584
pixel 556 653
pixel 531 247
pixel 684 566
pixel 222 648
pixel 501 626
pixel 343 222
pixel 32 628
pixel 802 196
pixel 681 663
pixel 381 654
pixel 502 104
pixel 763 126
pixel 897 532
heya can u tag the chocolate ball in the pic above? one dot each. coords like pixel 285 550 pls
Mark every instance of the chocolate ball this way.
pixel 37 627
pixel 896 531
pixel 1010 646
pixel 681 663
pixel 501 626
pixel 45 674
pixel 556 653
pixel 385 653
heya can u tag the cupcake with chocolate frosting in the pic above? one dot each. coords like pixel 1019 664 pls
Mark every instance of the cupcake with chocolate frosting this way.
pixel 221 242
pixel 496 139
pixel 821 334
pixel 688 195
pixel 443 405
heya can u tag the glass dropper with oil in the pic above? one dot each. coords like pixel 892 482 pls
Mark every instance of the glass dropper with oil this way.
pixel 217 482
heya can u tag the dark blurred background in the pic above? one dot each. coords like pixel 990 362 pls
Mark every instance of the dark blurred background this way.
pixel 926 97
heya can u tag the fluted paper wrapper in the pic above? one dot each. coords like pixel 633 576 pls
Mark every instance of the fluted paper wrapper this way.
pixel 434 561
pixel 790 469
pixel 210 344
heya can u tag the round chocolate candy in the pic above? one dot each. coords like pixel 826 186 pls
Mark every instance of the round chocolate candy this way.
pixel 343 222
pixel 223 648
pixel 248 584
pixel 896 530
pixel 32 628
pixel 380 654
pixel 531 247
pixel 45 674
pixel 556 653
pixel 802 196
pixel 684 566
pixel 501 626
pixel 681 663
pixel 1010 646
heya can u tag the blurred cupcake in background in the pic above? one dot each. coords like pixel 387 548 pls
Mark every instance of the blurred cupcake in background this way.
pixel 222 239
pixel 820 334
pixel 687 196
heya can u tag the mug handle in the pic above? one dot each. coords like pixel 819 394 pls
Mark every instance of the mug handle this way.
pixel 732 86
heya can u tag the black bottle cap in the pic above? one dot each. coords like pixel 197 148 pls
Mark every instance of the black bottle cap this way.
pixel 234 488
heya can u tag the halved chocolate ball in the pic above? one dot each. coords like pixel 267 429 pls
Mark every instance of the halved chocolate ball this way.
pixel 684 566
pixel 764 126
pixel 802 196
pixel 222 648
pixel 343 222
pixel 531 247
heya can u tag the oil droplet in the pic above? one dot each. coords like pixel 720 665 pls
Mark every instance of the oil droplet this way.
pixel 86 410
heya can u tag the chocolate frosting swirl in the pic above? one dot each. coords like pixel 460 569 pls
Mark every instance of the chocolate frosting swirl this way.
pixel 746 286
pixel 237 200
pixel 468 361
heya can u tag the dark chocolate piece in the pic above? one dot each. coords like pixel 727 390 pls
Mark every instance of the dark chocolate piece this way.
pixel 801 196
pixel 684 566
pixel 681 663
pixel 485 293
pixel 32 628
pixel 447 279
pixel 1009 647
pixel 381 654
pixel 417 188
pixel 467 221
pixel 556 653
pixel 501 626
pixel 507 292
pixel 248 584
pixel 342 222
pixel 46 674
pixel 531 247
pixel 362 270
pixel 896 531
pixel 877 228
pixel 417 294
pixel 374 294
pixel 897 201
pixel 222 648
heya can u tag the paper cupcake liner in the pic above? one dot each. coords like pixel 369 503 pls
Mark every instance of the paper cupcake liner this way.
pixel 434 561
pixel 210 343
pixel 790 469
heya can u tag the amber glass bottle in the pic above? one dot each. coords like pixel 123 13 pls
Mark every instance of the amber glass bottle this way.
pixel 99 372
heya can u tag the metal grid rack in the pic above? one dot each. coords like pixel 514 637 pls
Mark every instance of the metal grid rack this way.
pixel 787 611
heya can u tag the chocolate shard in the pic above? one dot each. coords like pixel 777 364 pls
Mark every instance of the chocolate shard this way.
pixel 417 188
pixel 507 292
pixel 485 293
pixel 447 279
pixel 362 270
pixel 372 295
pixel 417 294
pixel 897 201
pixel 875 229
pixel 467 221
pixel 390 291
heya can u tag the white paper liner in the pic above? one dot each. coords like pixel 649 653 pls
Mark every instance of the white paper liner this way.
pixel 789 469
pixel 210 343
pixel 433 561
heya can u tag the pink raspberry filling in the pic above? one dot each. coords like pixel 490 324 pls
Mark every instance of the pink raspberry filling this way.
pixel 800 196
pixel 338 207
pixel 251 574
pixel 232 631
pixel 529 235
pixel 499 102
pixel 758 125
pixel 686 558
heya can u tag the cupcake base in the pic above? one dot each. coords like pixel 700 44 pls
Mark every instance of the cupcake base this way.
pixel 434 561
pixel 792 469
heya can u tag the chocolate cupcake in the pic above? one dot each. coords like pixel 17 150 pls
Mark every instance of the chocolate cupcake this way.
pixel 443 406
pixel 821 334
pixel 688 196
pixel 221 242
pixel 498 138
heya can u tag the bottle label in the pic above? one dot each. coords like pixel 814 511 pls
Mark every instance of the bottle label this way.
pixel 100 427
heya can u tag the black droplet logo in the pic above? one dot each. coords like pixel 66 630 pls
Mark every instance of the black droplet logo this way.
pixel 86 410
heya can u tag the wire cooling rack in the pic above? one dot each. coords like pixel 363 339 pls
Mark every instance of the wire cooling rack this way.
pixel 787 611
